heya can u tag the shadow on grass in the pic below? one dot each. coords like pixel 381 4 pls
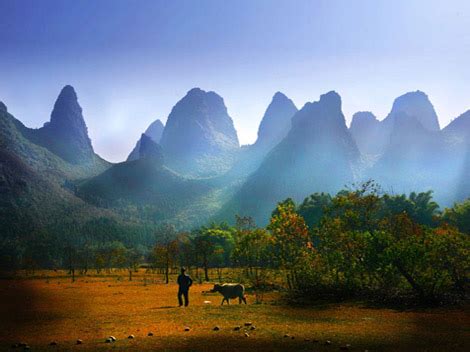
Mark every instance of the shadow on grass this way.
pixel 165 307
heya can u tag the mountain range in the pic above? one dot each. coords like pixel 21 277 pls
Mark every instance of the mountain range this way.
pixel 192 169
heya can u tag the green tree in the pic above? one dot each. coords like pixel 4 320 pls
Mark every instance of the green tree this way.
pixel 313 208
pixel 253 252
pixel 166 249
pixel 214 245
pixel 418 206
pixel 459 216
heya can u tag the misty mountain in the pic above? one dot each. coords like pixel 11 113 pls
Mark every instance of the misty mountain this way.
pixel 463 187
pixel 276 122
pixel 274 126
pixel 457 137
pixel 458 130
pixel 51 176
pixel 318 154
pixel 367 132
pixel 66 134
pixel 417 105
pixel 373 136
pixel 199 138
pixel 417 155
pixel 150 150
pixel 415 159
pixel 36 185
pixel 154 131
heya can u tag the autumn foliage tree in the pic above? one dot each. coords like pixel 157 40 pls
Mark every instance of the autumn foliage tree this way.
pixel 388 246
pixel 291 240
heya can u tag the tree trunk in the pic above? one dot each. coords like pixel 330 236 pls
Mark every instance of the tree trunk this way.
pixel 410 280
pixel 206 274
pixel 167 279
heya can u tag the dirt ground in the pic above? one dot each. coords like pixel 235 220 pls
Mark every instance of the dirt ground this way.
pixel 50 308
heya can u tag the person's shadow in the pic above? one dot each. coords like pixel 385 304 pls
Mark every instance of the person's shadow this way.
pixel 165 307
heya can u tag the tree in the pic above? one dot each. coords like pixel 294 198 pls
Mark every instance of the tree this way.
pixel 291 238
pixel 418 206
pixel 253 251
pixel 286 203
pixel 186 251
pixel 459 216
pixel 166 249
pixel 313 208
pixel 134 256
pixel 214 244
pixel 40 250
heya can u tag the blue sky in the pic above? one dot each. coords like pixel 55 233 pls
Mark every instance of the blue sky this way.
pixel 130 61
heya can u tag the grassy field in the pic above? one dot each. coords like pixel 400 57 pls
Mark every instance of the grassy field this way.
pixel 49 307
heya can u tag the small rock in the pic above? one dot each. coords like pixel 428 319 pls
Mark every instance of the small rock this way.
pixel 187 328
pixel 327 342
pixel 113 338
pixel 345 347
pixel 108 340
pixel 79 342
pixel 247 335
pixel 150 334
pixel 237 328
pixel 292 337
pixel 286 335
pixel 130 336
pixel 216 328
pixel 53 343
pixel 248 323
pixel 253 327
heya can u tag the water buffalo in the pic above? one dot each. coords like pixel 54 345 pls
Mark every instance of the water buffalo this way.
pixel 230 291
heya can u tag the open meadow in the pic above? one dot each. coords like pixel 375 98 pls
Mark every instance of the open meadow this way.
pixel 48 307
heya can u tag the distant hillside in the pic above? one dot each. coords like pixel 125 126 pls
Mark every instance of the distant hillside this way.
pixel 146 190
pixel 36 185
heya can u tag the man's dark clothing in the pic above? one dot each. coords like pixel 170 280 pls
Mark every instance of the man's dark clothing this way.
pixel 184 283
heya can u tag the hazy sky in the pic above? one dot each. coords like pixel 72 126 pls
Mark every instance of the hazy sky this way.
pixel 130 61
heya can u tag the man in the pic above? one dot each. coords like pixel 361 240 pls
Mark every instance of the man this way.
pixel 184 283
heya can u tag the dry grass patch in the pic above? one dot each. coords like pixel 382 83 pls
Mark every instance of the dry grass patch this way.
pixel 39 311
